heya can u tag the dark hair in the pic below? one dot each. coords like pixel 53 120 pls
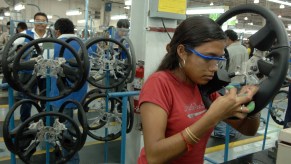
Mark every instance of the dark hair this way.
pixel 22 25
pixel 8 23
pixel 232 35
pixel 40 14
pixel 193 31
pixel 65 26
pixel 123 23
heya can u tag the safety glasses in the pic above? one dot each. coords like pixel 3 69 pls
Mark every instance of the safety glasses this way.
pixel 204 56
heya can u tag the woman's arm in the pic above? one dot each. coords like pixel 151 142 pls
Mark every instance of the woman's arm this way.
pixel 158 148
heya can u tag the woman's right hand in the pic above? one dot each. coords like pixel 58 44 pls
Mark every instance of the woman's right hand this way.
pixel 232 103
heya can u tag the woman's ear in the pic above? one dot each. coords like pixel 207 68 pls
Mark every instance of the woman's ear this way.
pixel 181 52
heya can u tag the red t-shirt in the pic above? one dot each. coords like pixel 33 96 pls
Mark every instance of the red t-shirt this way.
pixel 184 106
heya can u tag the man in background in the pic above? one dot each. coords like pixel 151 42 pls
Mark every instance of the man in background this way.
pixel 21 27
pixel 238 55
pixel 64 29
pixel 5 36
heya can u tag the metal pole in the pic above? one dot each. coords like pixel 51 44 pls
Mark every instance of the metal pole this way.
pixel 226 143
pixel 267 125
pixel 86 20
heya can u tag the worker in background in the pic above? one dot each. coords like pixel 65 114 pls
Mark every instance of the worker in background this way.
pixel 21 27
pixel 64 29
pixel 5 36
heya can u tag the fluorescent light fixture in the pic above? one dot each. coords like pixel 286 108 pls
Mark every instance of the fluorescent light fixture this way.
pixel 289 26
pixel 117 17
pixel 211 4
pixel 206 10
pixel 280 2
pixel 282 6
pixel 246 18
pixel 1 17
pixel 256 1
pixel 245 31
pixel 31 20
pixel 127 2
pixel 81 21
pixel 279 16
pixel 73 12
pixel 19 6
pixel 127 7
pixel 7 13
pixel 49 16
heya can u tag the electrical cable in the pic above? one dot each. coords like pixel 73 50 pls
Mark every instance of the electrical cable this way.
pixel 165 28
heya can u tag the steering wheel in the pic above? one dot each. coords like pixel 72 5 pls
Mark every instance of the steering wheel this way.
pixel 108 67
pixel 9 134
pixel 59 68
pixel 53 134
pixel 128 44
pixel 81 118
pixel 104 112
pixel 274 67
pixel 8 57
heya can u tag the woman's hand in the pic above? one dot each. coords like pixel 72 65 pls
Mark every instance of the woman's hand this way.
pixel 232 104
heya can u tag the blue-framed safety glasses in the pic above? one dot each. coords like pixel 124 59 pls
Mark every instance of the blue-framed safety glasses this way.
pixel 222 58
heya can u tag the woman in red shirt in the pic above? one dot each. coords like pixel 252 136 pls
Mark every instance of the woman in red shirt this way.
pixel 176 123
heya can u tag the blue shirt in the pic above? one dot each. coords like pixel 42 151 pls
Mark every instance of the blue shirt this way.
pixel 77 95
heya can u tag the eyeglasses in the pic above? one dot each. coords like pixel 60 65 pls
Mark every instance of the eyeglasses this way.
pixel 204 56
pixel 39 21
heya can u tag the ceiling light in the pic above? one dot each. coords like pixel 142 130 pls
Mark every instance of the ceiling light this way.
pixel 73 12
pixel 81 21
pixel 246 18
pixel 256 1
pixel 211 4
pixel 19 6
pixel 127 7
pixel 117 17
pixel 280 2
pixel 7 13
pixel 206 10
pixel 1 17
pixel 49 16
pixel 127 2
pixel 282 6
pixel 31 20
pixel 279 16
pixel 289 26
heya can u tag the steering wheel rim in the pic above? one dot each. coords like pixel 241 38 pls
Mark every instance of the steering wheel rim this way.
pixel 126 69
pixel 65 90
pixel 263 40
pixel 81 117
pixel 101 122
pixel 6 63
pixel 34 118
pixel 132 55
pixel 8 137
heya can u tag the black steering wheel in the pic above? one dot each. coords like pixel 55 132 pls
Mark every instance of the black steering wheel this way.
pixel 263 40
pixel 9 133
pixel 53 134
pixel 109 68
pixel 63 79
pixel 103 112
pixel 9 54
